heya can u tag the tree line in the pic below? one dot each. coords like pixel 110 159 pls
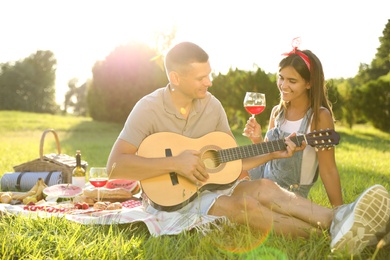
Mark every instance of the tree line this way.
pixel 134 70
pixel 28 84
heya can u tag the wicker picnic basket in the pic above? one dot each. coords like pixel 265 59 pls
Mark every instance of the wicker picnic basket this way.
pixel 51 162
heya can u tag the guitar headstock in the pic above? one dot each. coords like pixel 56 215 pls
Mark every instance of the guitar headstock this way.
pixel 323 139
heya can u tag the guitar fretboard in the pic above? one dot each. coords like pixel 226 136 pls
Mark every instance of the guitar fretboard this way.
pixel 246 151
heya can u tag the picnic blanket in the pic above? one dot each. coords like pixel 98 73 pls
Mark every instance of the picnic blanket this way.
pixel 162 223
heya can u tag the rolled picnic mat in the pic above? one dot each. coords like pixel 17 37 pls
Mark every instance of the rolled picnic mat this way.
pixel 24 181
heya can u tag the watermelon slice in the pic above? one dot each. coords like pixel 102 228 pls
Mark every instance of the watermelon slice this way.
pixel 62 191
pixel 129 185
pixel 136 189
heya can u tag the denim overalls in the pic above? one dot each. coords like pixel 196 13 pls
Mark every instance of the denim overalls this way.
pixel 286 171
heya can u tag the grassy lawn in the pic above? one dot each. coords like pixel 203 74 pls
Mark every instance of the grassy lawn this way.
pixel 362 157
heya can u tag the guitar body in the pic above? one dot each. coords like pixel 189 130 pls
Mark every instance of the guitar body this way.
pixel 171 191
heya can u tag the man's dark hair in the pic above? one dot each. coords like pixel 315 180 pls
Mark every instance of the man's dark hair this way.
pixel 183 54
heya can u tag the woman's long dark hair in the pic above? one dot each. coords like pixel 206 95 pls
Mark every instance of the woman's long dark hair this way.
pixel 318 93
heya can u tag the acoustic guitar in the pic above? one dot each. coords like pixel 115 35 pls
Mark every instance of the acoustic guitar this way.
pixel 221 156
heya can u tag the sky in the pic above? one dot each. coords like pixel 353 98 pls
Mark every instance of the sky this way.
pixel 244 34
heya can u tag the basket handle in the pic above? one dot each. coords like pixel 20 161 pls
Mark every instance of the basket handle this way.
pixel 43 139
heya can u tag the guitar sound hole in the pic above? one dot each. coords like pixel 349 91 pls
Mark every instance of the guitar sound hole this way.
pixel 210 159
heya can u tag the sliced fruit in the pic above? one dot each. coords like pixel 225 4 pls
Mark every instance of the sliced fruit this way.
pixel 120 183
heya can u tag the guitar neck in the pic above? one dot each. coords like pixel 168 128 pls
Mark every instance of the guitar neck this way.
pixel 246 151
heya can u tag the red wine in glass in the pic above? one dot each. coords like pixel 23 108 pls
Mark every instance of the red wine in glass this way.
pixel 255 110
pixel 254 103
pixel 98 178
pixel 98 182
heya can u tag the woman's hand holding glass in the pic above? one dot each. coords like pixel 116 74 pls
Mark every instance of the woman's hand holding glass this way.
pixel 253 130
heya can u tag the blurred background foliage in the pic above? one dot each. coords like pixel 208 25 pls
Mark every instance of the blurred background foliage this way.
pixel 131 71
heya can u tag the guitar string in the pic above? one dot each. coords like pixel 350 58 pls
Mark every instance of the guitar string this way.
pixel 236 153
pixel 240 152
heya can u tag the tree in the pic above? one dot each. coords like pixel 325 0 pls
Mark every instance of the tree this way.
pixel 28 85
pixel 373 89
pixel 345 110
pixel 76 98
pixel 127 74
pixel 380 65
pixel 375 97
pixel 230 90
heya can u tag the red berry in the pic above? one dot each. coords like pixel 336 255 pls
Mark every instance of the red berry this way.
pixel 85 205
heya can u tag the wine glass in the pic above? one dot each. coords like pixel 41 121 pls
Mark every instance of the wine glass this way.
pixel 254 103
pixel 98 178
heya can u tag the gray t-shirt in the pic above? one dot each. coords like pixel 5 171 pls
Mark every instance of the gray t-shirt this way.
pixel 156 113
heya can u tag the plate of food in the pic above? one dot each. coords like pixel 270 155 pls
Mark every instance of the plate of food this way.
pixel 63 191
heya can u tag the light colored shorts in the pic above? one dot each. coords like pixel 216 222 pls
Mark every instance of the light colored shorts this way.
pixel 202 203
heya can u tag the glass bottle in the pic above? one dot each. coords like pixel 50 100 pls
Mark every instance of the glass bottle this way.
pixel 78 173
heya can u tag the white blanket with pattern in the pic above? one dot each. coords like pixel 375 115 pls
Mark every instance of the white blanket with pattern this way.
pixel 163 223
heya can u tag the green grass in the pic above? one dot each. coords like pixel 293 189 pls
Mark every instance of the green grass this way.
pixel 21 134
pixel 362 157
